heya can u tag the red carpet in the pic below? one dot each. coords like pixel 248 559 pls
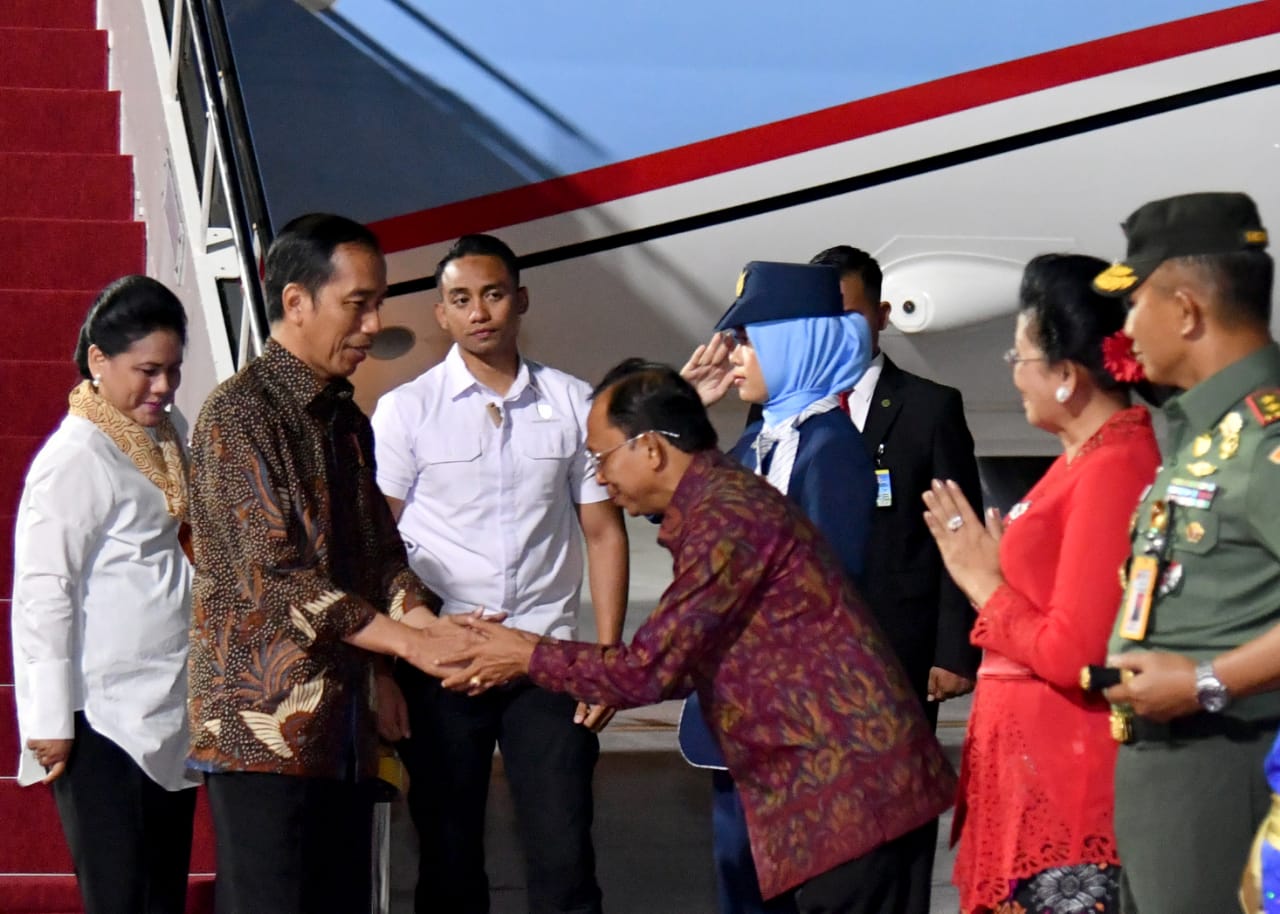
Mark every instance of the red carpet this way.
pixel 66 229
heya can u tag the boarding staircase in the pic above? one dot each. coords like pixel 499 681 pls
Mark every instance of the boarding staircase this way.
pixel 67 227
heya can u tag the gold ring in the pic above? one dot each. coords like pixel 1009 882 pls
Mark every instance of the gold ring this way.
pixel 475 681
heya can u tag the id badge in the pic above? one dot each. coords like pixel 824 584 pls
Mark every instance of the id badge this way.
pixel 1144 575
pixel 884 489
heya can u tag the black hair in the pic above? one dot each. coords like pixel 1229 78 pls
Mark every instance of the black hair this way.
pixel 848 259
pixel 650 396
pixel 1242 281
pixel 303 253
pixel 1067 318
pixel 127 310
pixel 481 246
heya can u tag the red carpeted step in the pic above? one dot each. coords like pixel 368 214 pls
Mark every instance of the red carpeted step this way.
pixel 43 324
pixel 8 733
pixel 59 120
pixel 45 386
pixel 24 894
pixel 202 837
pixel 31 840
pixel 6 635
pixel 69 253
pixel 66 186
pixel 6 555
pixel 16 453
pixel 39 894
pixel 45 58
pixel 49 14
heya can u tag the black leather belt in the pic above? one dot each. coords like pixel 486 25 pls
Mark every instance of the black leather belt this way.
pixel 1201 725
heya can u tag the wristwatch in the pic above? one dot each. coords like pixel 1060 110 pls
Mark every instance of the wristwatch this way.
pixel 1210 692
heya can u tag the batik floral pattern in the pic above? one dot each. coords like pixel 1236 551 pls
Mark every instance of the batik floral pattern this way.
pixel 280 579
pixel 817 722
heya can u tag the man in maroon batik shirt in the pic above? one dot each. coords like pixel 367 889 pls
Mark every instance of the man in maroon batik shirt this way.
pixel 816 719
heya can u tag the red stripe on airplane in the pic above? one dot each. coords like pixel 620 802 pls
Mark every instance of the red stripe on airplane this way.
pixel 839 124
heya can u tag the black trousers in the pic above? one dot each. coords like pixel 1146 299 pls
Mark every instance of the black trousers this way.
pixel 291 845
pixel 871 884
pixel 129 837
pixel 549 762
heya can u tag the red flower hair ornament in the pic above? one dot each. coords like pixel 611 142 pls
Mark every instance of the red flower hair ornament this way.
pixel 1119 360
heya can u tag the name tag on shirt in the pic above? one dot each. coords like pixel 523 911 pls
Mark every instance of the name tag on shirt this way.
pixel 884 489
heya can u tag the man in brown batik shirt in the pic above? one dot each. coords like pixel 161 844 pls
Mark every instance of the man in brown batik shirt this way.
pixel 301 581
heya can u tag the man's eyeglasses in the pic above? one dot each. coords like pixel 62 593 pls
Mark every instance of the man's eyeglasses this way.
pixel 734 338
pixel 595 459
pixel 1011 358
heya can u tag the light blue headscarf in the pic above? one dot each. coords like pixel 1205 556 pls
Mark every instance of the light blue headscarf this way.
pixel 807 358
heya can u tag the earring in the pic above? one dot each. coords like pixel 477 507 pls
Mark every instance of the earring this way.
pixel 1062 394
pixel 97 381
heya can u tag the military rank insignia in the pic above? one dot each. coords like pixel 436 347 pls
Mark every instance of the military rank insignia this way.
pixel 1265 405
pixel 1116 278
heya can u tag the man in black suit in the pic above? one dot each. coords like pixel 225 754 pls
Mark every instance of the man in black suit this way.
pixel 915 432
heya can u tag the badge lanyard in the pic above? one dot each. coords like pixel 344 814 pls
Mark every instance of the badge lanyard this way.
pixel 1146 570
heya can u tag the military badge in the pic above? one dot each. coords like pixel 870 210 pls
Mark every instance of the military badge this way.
pixel 1115 278
pixel 1171 580
pixel 1195 532
pixel 1201 468
pixel 1201 445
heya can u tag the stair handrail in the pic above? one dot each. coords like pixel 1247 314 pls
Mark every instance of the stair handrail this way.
pixel 229 157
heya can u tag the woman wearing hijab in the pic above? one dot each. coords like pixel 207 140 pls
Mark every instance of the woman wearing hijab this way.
pixel 101 601
pixel 1034 816
pixel 790 347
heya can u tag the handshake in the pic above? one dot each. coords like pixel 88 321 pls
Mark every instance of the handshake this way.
pixel 470 653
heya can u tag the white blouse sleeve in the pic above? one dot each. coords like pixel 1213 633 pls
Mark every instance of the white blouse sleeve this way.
pixel 65 503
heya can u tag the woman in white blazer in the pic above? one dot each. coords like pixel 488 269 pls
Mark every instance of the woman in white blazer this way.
pixel 101 608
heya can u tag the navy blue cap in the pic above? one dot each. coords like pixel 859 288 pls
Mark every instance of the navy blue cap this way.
pixel 781 291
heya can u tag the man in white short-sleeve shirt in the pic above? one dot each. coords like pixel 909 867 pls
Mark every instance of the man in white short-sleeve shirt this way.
pixel 482 460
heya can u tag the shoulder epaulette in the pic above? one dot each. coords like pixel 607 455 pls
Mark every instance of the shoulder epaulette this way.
pixel 1264 403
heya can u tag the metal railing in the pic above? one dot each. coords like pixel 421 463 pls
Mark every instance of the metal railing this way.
pixel 234 222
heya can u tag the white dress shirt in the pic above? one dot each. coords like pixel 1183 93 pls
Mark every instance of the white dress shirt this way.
pixel 864 390
pixel 101 606
pixel 490 486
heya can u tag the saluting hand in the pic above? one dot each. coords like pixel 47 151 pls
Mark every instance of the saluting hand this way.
pixel 709 371
pixel 970 546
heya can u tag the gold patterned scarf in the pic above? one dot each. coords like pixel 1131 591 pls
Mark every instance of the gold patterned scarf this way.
pixel 160 459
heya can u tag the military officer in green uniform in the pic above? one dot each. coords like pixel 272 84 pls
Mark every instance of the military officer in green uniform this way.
pixel 1202 584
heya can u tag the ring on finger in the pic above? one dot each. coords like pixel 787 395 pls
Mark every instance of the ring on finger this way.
pixel 475 681
pixel 955 522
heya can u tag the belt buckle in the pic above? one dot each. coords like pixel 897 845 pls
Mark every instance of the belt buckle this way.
pixel 1121 726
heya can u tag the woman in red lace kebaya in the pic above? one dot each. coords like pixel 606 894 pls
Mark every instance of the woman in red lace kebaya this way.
pixel 1034 815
